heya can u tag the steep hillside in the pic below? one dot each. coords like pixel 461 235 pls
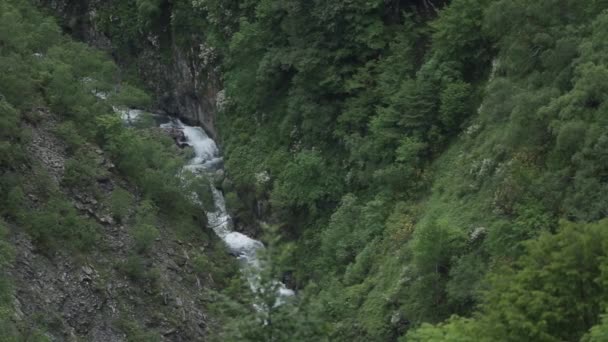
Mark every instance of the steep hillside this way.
pixel 160 43
pixel 420 159
pixel 419 170
pixel 99 240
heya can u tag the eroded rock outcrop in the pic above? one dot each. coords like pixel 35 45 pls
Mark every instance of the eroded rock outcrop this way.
pixel 92 296
pixel 185 85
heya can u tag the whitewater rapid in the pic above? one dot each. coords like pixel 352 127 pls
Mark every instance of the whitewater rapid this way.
pixel 206 161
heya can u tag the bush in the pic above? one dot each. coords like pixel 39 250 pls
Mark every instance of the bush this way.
pixel 13 205
pixel 82 172
pixel 148 11
pixel 69 134
pixel 7 257
pixel 7 252
pixel 120 203
pixel 132 97
pixel 135 333
pixel 134 268
pixel 145 235
pixel 59 222
pixel 202 265
pixel 200 185
pixel 10 134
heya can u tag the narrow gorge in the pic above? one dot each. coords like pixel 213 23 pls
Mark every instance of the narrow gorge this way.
pixel 295 170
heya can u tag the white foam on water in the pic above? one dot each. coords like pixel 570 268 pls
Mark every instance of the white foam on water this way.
pixel 208 159
pixel 204 147
pixel 127 115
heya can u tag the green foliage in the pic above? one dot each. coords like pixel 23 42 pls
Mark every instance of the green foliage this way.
pixel 455 105
pixel 68 132
pixel 351 227
pixel 148 11
pixel 200 185
pixel 148 159
pixel 597 333
pixel 131 97
pixel 48 81
pixel 7 256
pixel 484 122
pixel 265 316
pixel 456 134
pixel 216 264
pixel 552 293
pixel 137 268
pixel 58 222
pixel 456 329
pixel 136 333
pixel 556 292
pixel 82 171
pixel 144 235
pixel 145 232
pixel 12 136
pixel 304 183
pixel 457 37
pixel 120 203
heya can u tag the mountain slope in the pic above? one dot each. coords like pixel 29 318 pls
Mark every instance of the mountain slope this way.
pixel 420 170
pixel 99 242
pixel 410 154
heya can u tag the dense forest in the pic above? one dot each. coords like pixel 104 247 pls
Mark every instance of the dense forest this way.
pixel 430 162
pixel 98 198
pixel 426 170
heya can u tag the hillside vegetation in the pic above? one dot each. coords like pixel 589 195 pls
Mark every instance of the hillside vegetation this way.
pixel 426 170
pixel 92 213
pixel 426 159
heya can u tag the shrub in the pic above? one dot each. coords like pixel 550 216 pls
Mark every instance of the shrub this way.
pixel 144 235
pixel 201 265
pixel 67 132
pixel 135 333
pixel 10 134
pixel 134 268
pixel 58 222
pixel 7 253
pixel 13 206
pixel 132 97
pixel 120 203
pixel 137 268
pixel 82 172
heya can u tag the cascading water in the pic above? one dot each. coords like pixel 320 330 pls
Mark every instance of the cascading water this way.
pixel 208 160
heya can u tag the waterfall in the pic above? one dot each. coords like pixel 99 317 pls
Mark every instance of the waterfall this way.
pixel 207 159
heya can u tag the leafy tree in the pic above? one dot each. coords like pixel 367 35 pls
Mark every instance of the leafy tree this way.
pixel 597 333
pixel 304 183
pixel 553 293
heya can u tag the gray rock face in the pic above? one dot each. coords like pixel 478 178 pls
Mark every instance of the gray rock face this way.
pixel 84 297
pixel 47 148
pixel 78 19
pixel 185 85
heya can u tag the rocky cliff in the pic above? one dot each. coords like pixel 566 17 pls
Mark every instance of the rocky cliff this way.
pixel 106 295
pixel 184 77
